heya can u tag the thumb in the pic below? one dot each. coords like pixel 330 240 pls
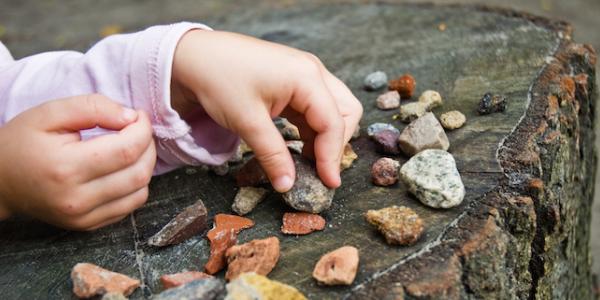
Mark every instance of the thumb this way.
pixel 85 112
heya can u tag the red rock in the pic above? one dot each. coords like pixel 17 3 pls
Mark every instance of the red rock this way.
pixel 174 280
pixel 222 237
pixel 191 221
pixel 90 280
pixel 301 223
pixel 337 267
pixel 251 174
pixel 405 85
pixel 258 256
pixel 384 171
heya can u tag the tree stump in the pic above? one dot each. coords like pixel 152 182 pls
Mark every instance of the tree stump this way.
pixel 523 229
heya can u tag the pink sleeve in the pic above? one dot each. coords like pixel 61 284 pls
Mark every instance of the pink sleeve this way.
pixel 132 69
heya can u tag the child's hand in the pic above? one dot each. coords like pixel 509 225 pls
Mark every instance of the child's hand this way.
pixel 243 82
pixel 47 172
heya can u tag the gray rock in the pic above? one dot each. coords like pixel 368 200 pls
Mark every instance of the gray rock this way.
pixel 247 198
pixel 376 127
pixel 433 178
pixel 288 130
pixel 423 133
pixel 295 146
pixel 375 81
pixel 201 289
pixel 308 194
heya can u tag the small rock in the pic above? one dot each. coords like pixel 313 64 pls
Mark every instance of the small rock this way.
pixel 301 223
pixel 375 81
pixel 288 130
pixel 404 85
pixel 174 280
pixel 199 289
pixel 387 142
pixel 412 111
pixel 431 99
pixel 308 194
pixel 384 171
pixel 423 133
pixel 376 127
pixel 258 256
pixel 251 174
pixel 247 198
pixel 491 104
pixel 388 100
pixel 452 119
pixel 433 178
pixel 221 169
pixel 113 296
pixel 295 146
pixel 251 286
pixel 222 236
pixel 90 280
pixel 337 267
pixel 190 221
pixel 348 157
pixel 399 224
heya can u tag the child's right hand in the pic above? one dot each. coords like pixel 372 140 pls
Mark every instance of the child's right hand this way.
pixel 48 172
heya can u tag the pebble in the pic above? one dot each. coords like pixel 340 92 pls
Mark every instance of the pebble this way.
pixel 376 127
pixel 221 169
pixel 295 146
pixel 399 225
pixel 252 286
pixel 348 157
pixel 490 103
pixel 288 130
pixel 222 236
pixel 301 223
pixel 200 289
pixel 251 174
pixel 433 178
pixel 386 142
pixel 189 222
pixel 388 100
pixel 91 280
pixel 375 81
pixel 308 194
pixel 384 171
pixel 337 267
pixel 412 111
pixel 174 280
pixel 452 119
pixel 431 99
pixel 113 296
pixel 247 198
pixel 404 85
pixel 258 256
pixel 423 133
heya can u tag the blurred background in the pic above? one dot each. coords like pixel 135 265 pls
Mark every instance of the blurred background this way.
pixel 22 21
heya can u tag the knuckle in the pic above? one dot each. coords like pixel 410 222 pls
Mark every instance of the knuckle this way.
pixel 79 224
pixel 61 173
pixel 128 154
pixel 141 178
pixel 70 207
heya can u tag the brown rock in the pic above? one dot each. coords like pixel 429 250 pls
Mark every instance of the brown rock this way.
pixel 399 224
pixel 300 223
pixel 90 280
pixel 247 198
pixel 191 221
pixel 308 194
pixel 222 237
pixel 388 100
pixel 348 157
pixel 423 133
pixel 173 280
pixel 251 174
pixel 453 119
pixel 384 171
pixel 258 256
pixel 387 142
pixel 404 85
pixel 337 267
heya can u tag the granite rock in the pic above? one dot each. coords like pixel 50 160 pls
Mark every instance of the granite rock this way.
pixel 404 85
pixel 174 280
pixel 491 103
pixel 412 111
pixel 337 267
pixel 423 133
pixel 90 280
pixel 348 157
pixel 388 100
pixel 376 127
pixel 191 221
pixel 433 178
pixel 247 198
pixel 399 225
pixel 258 256
pixel 386 142
pixel 308 194
pixel 301 223
pixel 199 289
pixel 375 81
pixel 452 119
pixel 252 286
pixel 222 236
pixel 384 171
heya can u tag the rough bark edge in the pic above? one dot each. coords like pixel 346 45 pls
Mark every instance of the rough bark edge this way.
pixel 515 210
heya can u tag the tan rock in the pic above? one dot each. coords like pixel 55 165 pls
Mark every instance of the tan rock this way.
pixel 399 224
pixel 423 133
pixel 247 198
pixel 251 286
pixel 300 223
pixel 337 267
pixel 388 100
pixel 91 280
pixel 452 119
pixel 431 99
pixel 348 157
pixel 411 111
pixel 258 256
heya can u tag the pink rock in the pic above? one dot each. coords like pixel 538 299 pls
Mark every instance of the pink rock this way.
pixel 258 256
pixel 337 267
pixel 384 171
pixel 90 280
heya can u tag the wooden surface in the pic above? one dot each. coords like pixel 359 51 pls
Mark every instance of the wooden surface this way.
pixel 509 238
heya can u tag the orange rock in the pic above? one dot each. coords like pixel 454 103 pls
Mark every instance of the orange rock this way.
pixel 177 279
pixel 337 267
pixel 232 221
pixel 258 256
pixel 405 85
pixel 90 280
pixel 222 237
pixel 300 223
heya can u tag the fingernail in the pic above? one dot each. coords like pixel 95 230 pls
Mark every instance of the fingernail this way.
pixel 129 115
pixel 283 184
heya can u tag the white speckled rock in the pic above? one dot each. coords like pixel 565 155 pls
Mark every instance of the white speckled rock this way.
pixel 375 81
pixel 423 133
pixel 388 100
pixel 431 99
pixel 411 111
pixel 433 178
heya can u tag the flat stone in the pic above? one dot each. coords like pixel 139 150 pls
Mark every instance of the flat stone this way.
pixel 174 280
pixel 247 198
pixel 251 174
pixel 376 127
pixel 337 267
pixel 433 178
pixel 295 146
pixel 288 130
pixel 308 194
pixel 189 222
pixel 91 280
pixel 199 289
pixel 348 157
pixel 301 223
pixel 384 171
pixel 222 236
pixel 404 85
pixel 452 120
pixel 412 111
pixel 375 81
pixel 491 103
pixel 399 225
pixel 258 256
pixel 252 286
pixel 388 100
pixel 113 296
pixel 431 99
pixel 386 142
pixel 423 133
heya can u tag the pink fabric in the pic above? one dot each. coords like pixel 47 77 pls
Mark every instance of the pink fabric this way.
pixel 132 69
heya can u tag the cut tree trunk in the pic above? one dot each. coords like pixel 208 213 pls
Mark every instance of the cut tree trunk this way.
pixel 523 229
